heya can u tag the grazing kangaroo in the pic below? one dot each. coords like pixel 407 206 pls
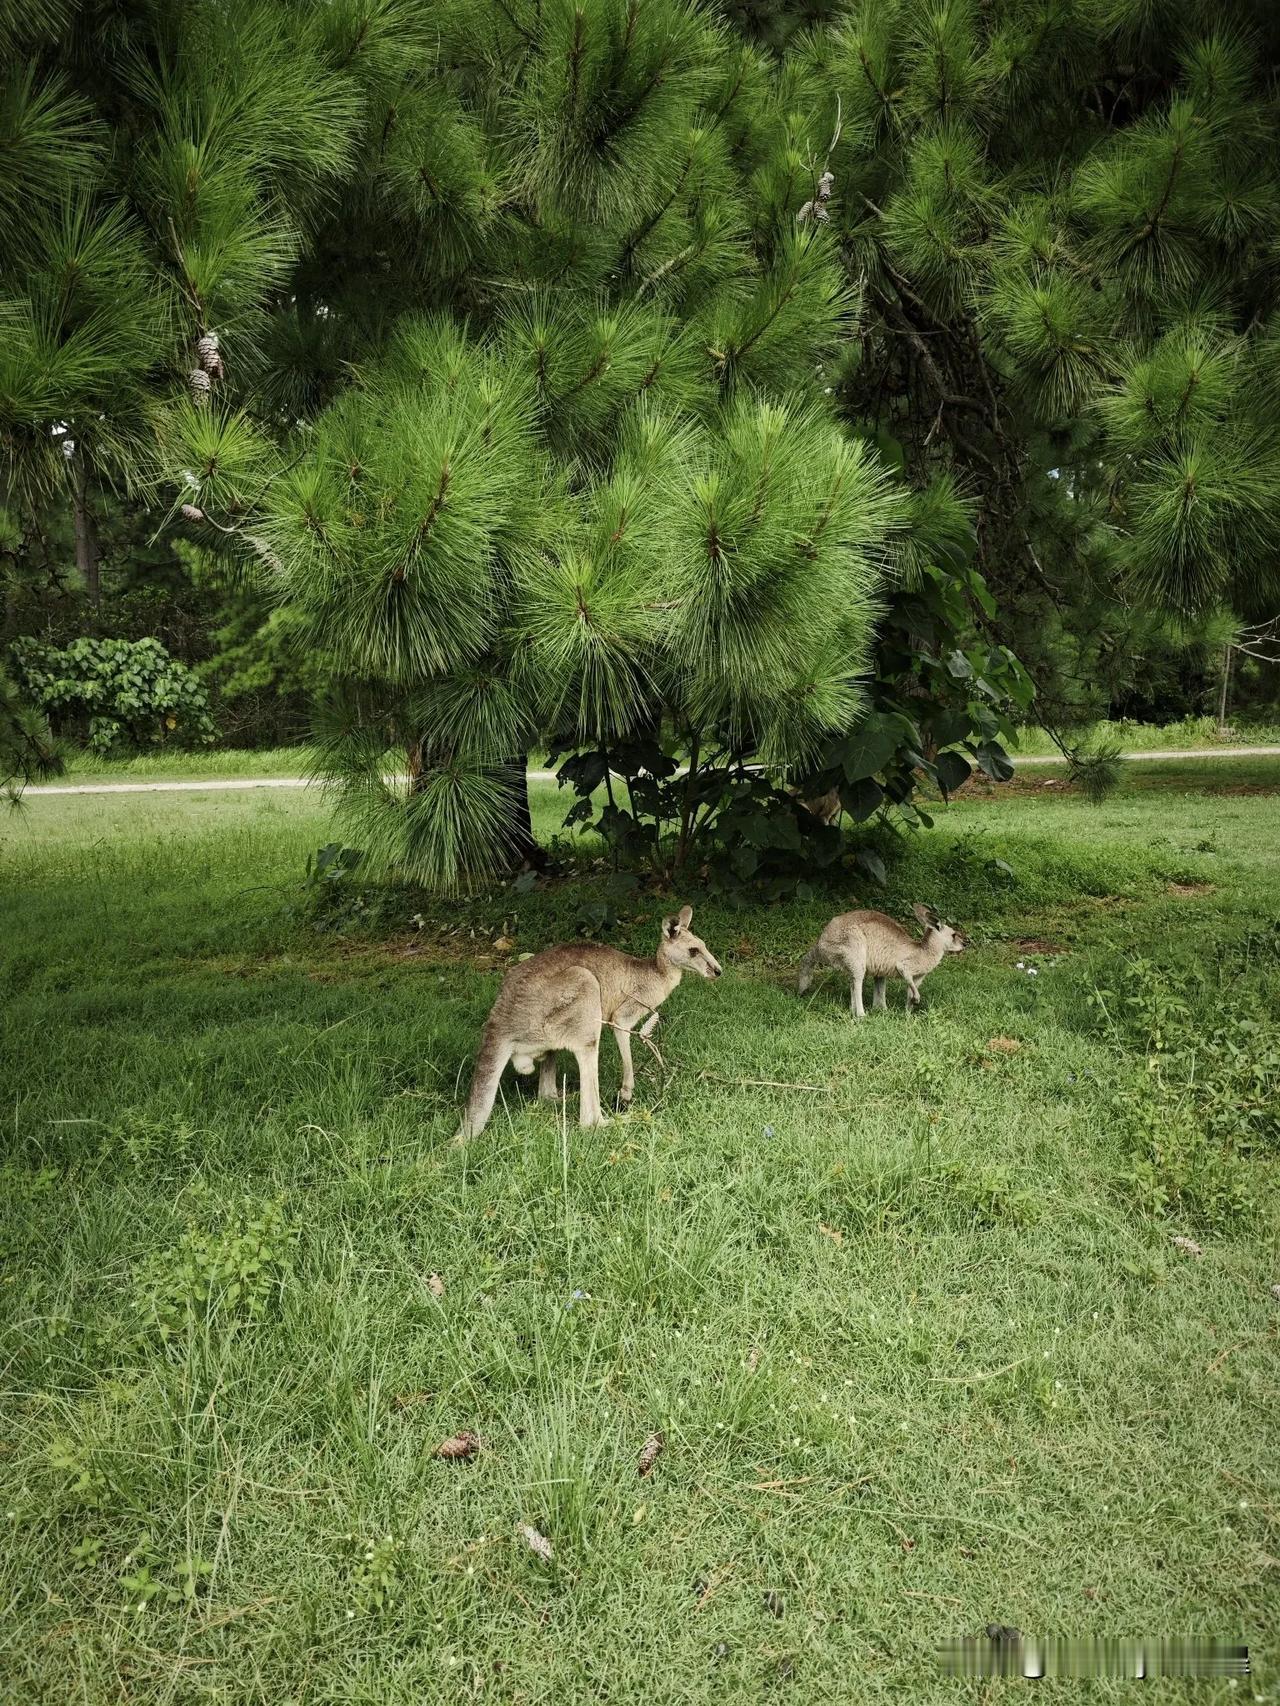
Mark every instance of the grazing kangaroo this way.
pixel 862 942
pixel 562 998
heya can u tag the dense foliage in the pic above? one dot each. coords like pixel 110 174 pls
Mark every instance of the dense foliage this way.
pixel 1063 217
pixel 116 695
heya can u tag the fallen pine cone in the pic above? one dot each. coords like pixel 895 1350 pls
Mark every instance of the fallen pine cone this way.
pixel 1189 1245
pixel 651 1452
pixel 534 1541
pixel 464 1444
pixel 435 1285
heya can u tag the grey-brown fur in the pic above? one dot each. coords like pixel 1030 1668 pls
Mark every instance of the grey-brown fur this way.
pixel 562 998
pixel 860 942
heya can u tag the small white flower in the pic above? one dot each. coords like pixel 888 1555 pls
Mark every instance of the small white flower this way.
pixel 1022 966
pixel 1032 972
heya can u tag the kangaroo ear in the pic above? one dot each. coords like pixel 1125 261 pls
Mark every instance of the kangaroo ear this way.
pixel 686 917
pixel 671 926
pixel 923 914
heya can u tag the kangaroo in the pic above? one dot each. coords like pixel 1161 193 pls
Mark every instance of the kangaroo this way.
pixel 862 942
pixel 562 998
pixel 826 808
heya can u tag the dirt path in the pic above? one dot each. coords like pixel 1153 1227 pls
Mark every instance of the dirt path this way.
pixel 232 783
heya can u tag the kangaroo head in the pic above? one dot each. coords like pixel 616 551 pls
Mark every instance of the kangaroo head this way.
pixel 680 949
pixel 937 934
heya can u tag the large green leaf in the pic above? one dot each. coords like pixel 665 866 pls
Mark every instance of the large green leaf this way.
pixel 869 749
pixel 953 771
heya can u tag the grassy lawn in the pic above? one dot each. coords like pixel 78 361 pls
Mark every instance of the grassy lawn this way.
pixel 903 1298
pixel 1188 734
pixel 175 766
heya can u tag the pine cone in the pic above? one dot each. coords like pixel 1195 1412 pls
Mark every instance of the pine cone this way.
pixel 191 513
pixel 826 183
pixel 652 1451
pixel 207 348
pixel 464 1444
pixel 200 384
pixel 812 210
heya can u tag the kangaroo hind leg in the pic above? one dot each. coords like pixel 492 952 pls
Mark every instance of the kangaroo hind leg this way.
pixel 547 1090
pixel 855 963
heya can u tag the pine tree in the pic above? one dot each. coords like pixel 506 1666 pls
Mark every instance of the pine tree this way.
pixel 1062 214
pixel 569 474
pixel 161 173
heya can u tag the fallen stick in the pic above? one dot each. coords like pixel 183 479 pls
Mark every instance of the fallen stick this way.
pixel 766 1083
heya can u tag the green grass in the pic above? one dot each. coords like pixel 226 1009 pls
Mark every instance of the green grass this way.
pixel 924 1355
pixel 1188 733
pixel 176 766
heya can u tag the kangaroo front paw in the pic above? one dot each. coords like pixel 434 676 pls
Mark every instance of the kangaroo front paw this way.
pixel 622 1101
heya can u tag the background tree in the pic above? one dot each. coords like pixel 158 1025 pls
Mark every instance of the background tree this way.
pixel 154 203
pixel 1062 214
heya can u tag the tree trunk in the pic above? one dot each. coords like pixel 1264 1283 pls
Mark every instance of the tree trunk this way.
pixel 514 775
pixel 86 541
pixel 1225 691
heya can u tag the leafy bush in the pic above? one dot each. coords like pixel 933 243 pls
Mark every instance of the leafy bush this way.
pixel 1174 1165
pixel 115 694
pixel 1211 1097
pixel 228 1276
pixel 940 713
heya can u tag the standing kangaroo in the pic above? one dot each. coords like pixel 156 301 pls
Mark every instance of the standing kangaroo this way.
pixel 862 942
pixel 562 998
